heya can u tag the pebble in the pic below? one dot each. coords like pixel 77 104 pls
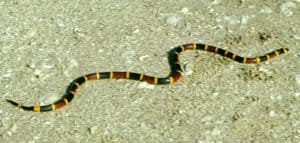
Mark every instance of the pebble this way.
pixel 266 10
pixel 298 79
pixel 142 58
pixel 272 113
pixel 93 130
pixel 135 30
pixel 244 19
pixel 8 74
pixel 173 20
pixel 185 11
pixel 146 85
pixel 286 8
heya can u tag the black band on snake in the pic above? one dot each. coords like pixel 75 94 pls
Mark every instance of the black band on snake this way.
pixel 174 76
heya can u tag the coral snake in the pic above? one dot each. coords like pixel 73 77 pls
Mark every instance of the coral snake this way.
pixel 174 75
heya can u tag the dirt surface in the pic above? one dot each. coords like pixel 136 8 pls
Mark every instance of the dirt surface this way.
pixel 44 45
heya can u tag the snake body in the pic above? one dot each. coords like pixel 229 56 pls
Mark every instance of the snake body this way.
pixel 174 75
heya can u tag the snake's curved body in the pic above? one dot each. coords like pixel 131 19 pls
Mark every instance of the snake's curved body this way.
pixel 175 74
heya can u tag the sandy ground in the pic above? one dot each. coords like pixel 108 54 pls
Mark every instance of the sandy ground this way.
pixel 45 45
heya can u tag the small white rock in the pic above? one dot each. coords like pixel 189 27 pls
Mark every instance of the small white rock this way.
pixel 74 62
pixel 185 11
pixel 266 10
pixel 297 79
pixel 272 113
pixel 100 50
pixel 215 132
pixel 216 2
pixel 286 8
pixel 297 94
pixel 297 37
pixel 146 85
pixel 215 94
pixel 142 58
pixel 143 125
pixel 47 66
pixel 135 30
pixel 8 74
pixel 244 19
pixel 93 130
pixel 173 20
pixel 37 72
